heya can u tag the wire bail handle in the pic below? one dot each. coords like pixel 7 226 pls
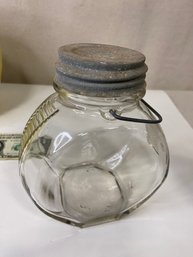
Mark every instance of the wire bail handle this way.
pixel 123 118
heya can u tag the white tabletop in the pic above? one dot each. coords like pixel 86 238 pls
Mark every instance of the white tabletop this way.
pixel 183 99
pixel 163 226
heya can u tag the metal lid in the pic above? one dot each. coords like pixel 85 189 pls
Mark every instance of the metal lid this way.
pixel 99 70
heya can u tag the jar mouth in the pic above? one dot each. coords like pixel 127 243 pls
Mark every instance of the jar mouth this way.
pixel 131 98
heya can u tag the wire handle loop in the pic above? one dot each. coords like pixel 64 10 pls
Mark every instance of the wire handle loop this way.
pixel 154 121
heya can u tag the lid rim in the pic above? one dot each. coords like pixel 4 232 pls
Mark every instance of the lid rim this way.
pixel 101 76
pixel 115 92
pixel 101 66
pixel 82 85
pixel 67 55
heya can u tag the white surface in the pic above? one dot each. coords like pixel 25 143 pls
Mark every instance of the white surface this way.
pixel 184 102
pixel 163 226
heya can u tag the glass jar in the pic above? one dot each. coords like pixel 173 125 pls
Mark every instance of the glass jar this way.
pixel 94 151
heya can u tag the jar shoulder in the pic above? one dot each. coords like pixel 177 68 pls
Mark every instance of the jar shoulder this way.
pixel 55 116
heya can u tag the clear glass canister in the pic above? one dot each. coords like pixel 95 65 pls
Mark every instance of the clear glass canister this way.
pixel 94 151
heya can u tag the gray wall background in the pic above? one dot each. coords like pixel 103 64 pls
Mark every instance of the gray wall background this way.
pixel 31 32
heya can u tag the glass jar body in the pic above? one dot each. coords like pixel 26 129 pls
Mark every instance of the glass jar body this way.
pixel 83 166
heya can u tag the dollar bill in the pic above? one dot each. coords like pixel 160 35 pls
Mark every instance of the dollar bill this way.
pixel 10 146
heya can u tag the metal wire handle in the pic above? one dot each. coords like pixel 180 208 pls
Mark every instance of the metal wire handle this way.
pixel 155 121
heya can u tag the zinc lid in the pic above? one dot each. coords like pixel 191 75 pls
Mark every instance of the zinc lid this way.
pixel 99 69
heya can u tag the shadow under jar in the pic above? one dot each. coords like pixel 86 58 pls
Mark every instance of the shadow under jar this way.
pixel 94 150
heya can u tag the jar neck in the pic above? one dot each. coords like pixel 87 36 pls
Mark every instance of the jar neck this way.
pixel 131 98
